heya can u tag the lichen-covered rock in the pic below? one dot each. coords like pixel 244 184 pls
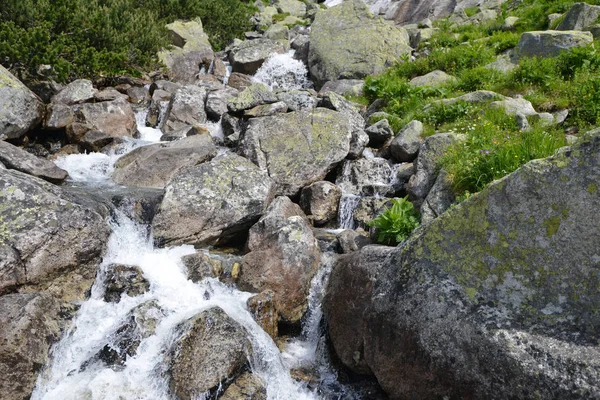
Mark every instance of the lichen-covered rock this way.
pixel 550 43
pixel 344 87
pixel 580 17
pixel 379 133
pixel 14 157
pixel 115 118
pixel 20 109
pixel 78 91
pixel 428 166
pixel 252 96
pixel 266 110
pixel 297 148
pixel 155 165
pixel 292 7
pixel 497 297
pixel 216 102
pixel 30 323
pixel 124 279
pixel 284 256
pixel 347 41
pixel 298 99
pixel 47 242
pixel 320 201
pixel 251 54
pixel 212 348
pixel 212 201
pixel 405 146
pixel 369 208
pixel 186 108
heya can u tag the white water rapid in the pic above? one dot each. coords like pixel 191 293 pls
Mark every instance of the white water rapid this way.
pixel 282 71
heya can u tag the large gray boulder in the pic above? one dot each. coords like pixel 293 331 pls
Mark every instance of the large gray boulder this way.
pixel 29 324
pixel 78 91
pixel 212 348
pixel 155 165
pixel 297 148
pixel 580 17
pixel 46 241
pixel 212 201
pixel 284 256
pixel 248 57
pixel 348 42
pixel 15 158
pixel 405 146
pixel 496 298
pixel 550 43
pixel 186 108
pixel 20 109
pixel 115 118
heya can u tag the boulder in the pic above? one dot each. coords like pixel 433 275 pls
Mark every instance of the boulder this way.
pixel 428 166
pixel 246 387
pixel 514 106
pixel 216 102
pixel 369 208
pixel 186 108
pixel 138 94
pixel 47 242
pixel 580 17
pixel 405 146
pixel 379 133
pixel 251 54
pixel 413 11
pixel 189 35
pixel 58 116
pixel 78 91
pixel 301 44
pixel 30 323
pixel 344 87
pixel 21 109
pixel 212 348
pixel 184 132
pixel 232 129
pixel 94 141
pixel 239 81
pixel 432 79
pixel 550 43
pixel 124 279
pixel 314 142
pixel 115 118
pixel 320 201
pixel 155 165
pixel 14 157
pixel 291 7
pixel 254 95
pixel 266 110
pixel 347 41
pixel 440 198
pixel 212 201
pixel 298 99
pixel 284 256
pixel 351 241
pixel 263 310
pixel 367 177
pixel 107 94
pixel 495 298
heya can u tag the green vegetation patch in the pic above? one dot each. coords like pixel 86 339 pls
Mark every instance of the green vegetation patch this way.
pixel 397 222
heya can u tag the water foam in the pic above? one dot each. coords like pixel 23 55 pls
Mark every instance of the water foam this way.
pixel 282 71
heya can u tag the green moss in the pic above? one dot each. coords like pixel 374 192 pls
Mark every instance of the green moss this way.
pixel 552 224
pixel 592 188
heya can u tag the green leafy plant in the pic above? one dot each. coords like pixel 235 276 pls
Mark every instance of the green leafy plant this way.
pixel 397 222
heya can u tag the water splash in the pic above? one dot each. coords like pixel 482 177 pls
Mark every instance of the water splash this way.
pixel 282 71
pixel 347 207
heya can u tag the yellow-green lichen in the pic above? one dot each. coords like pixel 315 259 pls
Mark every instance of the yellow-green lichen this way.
pixel 592 188
pixel 552 224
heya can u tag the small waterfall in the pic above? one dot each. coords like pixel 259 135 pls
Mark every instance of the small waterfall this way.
pixel 147 133
pixel 282 71
pixel 348 204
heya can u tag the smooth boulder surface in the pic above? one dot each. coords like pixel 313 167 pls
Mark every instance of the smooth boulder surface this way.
pixel 297 148
pixel 30 323
pixel 405 146
pixel 211 201
pixel 20 109
pixel 46 241
pixel 115 118
pixel 212 349
pixel 550 43
pixel 284 256
pixel 496 298
pixel 155 165
pixel 348 42
pixel 14 157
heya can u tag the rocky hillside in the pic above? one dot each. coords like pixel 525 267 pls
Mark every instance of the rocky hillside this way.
pixel 359 200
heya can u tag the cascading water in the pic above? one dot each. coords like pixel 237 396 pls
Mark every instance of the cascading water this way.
pixel 282 71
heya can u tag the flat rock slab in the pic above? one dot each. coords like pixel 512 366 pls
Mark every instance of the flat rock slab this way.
pixel 14 157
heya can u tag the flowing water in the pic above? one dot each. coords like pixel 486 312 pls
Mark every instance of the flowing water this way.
pixel 282 71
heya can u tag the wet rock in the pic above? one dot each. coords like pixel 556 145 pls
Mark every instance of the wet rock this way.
pixel 367 177
pixel 30 323
pixel 405 146
pixel 124 279
pixel 379 133
pixel 298 99
pixel 254 95
pixel 212 201
pixel 351 241
pixel 246 387
pixel 186 108
pixel 344 87
pixel 314 142
pixel 320 201
pixel 239 81
pixel 58 116
pixel 550 43
pixel 434 78
pixel 283 257
pixel 263 310
pixel 440 198
pixel 21 109
pixel 347 298
pixel 216 102
pixel 39 219
pixel 115 118
pixel 428 166
pixel 14 157
pixel 155 165
pixel 212 348
pixel 94 141
pixel 78 91
pixel 347 41
pixel 251 54
pixel 200 266
pixel 327 240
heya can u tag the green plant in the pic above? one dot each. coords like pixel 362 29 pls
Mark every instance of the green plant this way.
pixel 396 223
